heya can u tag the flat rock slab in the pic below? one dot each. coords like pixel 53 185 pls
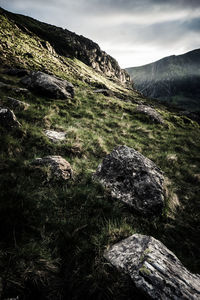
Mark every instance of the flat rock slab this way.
pixel 59 167
pixel 17 104
pixel 153 115
pixel 8 119
pixel 133 179
pixel 55 136
pixel 48 85
pixel 155 270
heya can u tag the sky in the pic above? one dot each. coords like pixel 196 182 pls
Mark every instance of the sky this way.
pixel 135 32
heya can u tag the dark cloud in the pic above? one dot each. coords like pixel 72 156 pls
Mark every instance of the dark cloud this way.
pixel 133 31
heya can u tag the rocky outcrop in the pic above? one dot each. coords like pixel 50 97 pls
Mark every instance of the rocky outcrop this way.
pixel 48 85
pixel 8 119
pixel 154 269
pixel 153 115
pixel 133 179
pixel 55 136
pixel 17 104
pixel 69 44
pixel 59 168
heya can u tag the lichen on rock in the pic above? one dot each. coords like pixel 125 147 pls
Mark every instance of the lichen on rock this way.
pixel 133 179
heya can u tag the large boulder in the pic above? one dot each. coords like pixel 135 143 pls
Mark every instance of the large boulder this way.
pixel 153 115
pixel 59 168
pixel 48 85
pixel 154 269
pixel 8 119
pixel 133 179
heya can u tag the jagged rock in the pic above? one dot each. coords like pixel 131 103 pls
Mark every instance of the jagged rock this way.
pixel 8 119
pixel 105 92
pixel 133 179
pixel 49 85
pixel 16 104
pixel 59 167
pixel 154 269
pixel 152 113
pixel 55 136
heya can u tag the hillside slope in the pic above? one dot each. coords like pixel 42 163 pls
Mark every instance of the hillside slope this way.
pixel 174 79
pixel 52 233
pixel 69 44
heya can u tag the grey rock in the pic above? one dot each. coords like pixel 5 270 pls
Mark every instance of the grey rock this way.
pixel 48 85
pixel 151 113
pixel 8 119
pixel 16 104
pixel 154 269
pixel 105 92
pixel 133 179
pixel 59 167
pixel 55 136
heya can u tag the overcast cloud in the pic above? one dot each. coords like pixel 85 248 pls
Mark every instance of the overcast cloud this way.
pixel 135 32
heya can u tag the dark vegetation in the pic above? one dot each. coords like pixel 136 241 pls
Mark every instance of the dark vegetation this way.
pixel 53 234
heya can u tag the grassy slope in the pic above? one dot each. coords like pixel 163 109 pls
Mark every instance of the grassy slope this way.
pixel 53 236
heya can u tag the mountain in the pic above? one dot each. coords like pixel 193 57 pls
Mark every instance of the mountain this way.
pixel 174 79
pixel 68 115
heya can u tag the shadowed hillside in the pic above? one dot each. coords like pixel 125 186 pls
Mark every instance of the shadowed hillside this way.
pixel 174 79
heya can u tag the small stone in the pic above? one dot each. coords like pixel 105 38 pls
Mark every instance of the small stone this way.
pixel 8 119
pixel 16 104
pixel 154 269
pixel 55 136
pixel 59 167
pixel 105 92
pixel 151 113
pixel 133 179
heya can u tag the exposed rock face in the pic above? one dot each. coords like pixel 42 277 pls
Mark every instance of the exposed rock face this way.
pixel 49 85
pixel 16 104
pixel 155 270
pixel 151 113
pixel 133 179
pixel 8 119
pixel 59 167
pixel 69 44
pixel 55 136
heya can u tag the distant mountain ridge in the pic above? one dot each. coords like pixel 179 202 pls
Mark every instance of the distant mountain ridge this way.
pixel 72 45
pixel 174 79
